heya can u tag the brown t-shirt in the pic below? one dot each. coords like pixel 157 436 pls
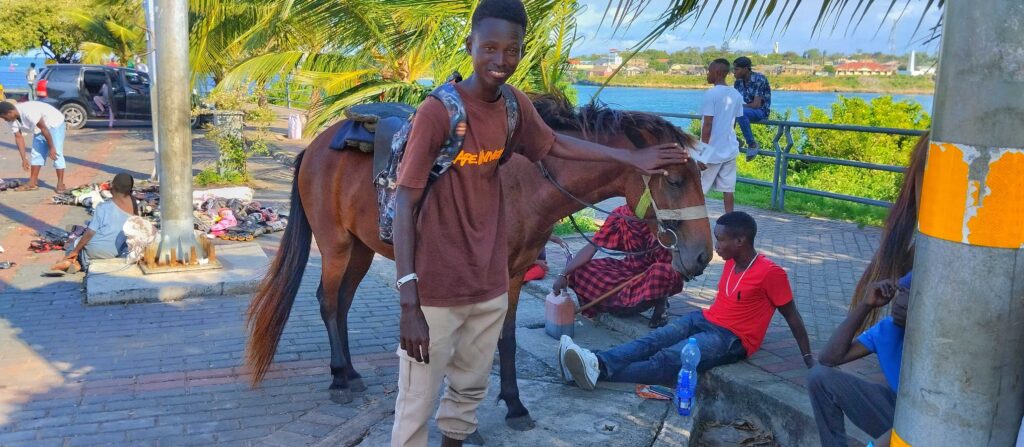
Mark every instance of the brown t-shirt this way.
pixel 461 243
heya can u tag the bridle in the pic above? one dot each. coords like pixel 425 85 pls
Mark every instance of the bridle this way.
pixel 646 201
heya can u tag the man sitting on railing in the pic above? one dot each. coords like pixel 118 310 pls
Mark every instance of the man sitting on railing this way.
pixel 757 99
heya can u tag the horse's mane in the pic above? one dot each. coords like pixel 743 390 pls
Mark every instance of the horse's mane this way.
pixel 596 118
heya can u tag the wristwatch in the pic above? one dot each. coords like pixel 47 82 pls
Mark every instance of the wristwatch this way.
pixel 401 281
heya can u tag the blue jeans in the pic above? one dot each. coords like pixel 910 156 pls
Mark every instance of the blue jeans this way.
pixel 750 116
pixel 654 359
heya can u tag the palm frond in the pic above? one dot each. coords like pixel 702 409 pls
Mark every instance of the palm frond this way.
pixel 755 13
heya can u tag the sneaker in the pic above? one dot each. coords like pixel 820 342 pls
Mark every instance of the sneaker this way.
pixel 564 344
pixel 583 367
pixel 751 152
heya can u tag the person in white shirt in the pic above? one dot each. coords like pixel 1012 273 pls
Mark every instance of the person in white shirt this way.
pixel 722 105
pixel 31 77
pixel 46 125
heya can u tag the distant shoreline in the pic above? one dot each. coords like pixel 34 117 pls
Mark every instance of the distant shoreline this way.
pixel 878 85
pixel 774 89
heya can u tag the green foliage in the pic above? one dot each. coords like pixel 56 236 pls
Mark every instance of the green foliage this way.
pixel 32 24
pixel 347 53
pixel 111 28
pixel 210 176
pixel 883 149
pixel 584 218
pixel 235 148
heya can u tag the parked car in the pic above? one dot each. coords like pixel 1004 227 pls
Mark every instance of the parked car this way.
pixel 71 88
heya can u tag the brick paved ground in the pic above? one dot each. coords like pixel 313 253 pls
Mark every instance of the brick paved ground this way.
pixel 168 373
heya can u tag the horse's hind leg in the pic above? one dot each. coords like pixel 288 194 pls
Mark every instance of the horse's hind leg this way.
pixel 518 417
pixel 359 262
pixel 336 259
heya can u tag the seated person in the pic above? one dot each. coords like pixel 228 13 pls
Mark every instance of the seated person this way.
pixel 105 238
pixel 646 279
pixel 835 394
pixel 101 100
pixel 749 291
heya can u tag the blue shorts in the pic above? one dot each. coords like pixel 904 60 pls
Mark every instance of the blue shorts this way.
pixel 41 150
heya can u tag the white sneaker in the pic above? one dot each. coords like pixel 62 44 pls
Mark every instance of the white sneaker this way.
pixel 583 367
pixel 564 344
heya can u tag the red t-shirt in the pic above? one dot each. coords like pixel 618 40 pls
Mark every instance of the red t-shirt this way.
pixel 745 306
pixel 461 241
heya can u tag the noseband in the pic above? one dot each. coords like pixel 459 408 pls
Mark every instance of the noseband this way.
pixel 646 201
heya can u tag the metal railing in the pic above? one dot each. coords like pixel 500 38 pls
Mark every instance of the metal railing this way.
pixel 783 154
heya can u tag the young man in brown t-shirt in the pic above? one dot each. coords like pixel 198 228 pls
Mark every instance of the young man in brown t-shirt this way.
pixel 450 245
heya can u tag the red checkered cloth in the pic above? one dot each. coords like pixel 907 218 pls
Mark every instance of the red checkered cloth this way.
pixel 598 276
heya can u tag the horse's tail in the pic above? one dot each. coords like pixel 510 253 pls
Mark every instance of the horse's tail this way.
pixel 270 306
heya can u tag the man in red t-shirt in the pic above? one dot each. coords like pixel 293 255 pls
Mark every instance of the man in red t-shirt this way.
pixel 451 245
pixel 749 291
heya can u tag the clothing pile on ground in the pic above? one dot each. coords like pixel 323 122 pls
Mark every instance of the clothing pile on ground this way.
pixel 237 220
pixel 225 213
pixel 55 239
pixel 9 184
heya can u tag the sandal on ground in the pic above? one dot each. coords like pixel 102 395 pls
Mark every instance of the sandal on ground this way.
pixel 27 188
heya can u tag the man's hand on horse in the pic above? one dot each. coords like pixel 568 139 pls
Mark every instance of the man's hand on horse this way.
pixel 653 160
pixel 414 334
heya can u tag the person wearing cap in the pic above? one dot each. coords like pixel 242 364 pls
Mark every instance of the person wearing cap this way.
pixel 757 99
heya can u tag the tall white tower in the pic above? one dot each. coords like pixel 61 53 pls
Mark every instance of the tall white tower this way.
pixel 775 48
pixel 912 68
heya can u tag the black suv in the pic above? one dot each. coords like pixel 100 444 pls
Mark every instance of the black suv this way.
pixel 71 88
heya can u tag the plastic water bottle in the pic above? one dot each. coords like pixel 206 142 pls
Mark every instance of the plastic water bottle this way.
pixel 686 385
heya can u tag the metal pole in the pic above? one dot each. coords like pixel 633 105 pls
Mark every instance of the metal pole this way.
pixel 962 380
pixel 154 105
pixel 174 131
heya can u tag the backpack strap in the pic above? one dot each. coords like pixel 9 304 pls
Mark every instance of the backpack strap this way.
pixel 512 115
pixel 449 96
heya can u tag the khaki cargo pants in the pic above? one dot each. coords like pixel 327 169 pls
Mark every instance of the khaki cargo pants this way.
pixel 462 344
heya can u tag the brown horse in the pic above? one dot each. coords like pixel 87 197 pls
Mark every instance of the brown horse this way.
pixel 338 185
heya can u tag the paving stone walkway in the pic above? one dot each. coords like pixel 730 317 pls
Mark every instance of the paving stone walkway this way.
pixel 169 373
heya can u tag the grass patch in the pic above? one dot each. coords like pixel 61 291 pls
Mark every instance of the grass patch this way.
pixel 584 218
pixel 209 176
pixel 808 205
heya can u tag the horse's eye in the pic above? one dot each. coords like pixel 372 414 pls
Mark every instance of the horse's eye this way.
pixel 675 182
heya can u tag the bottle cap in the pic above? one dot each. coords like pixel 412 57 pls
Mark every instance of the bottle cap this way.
pixel 692 341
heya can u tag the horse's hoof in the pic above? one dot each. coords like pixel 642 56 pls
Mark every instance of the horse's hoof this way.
pixel 356 385
pixel 474 439
pixel 521 423
pixel 340 395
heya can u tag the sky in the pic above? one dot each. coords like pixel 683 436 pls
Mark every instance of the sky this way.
pixel 895 36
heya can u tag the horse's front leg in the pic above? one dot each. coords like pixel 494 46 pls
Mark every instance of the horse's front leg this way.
pixel 518 417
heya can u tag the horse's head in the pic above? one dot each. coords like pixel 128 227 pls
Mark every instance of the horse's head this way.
pixel 672 203
pixel 675 210
pixel 681 220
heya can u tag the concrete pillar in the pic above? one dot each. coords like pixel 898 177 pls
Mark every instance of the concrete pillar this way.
pixel 154 105
pixel 962 380
pixel 173 130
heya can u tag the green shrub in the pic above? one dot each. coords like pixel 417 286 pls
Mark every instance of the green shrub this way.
pixel 584 218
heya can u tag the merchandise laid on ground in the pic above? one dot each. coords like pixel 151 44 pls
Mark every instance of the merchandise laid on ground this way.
pixel 225 213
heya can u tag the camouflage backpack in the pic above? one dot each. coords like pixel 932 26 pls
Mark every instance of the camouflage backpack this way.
pixel 386 180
